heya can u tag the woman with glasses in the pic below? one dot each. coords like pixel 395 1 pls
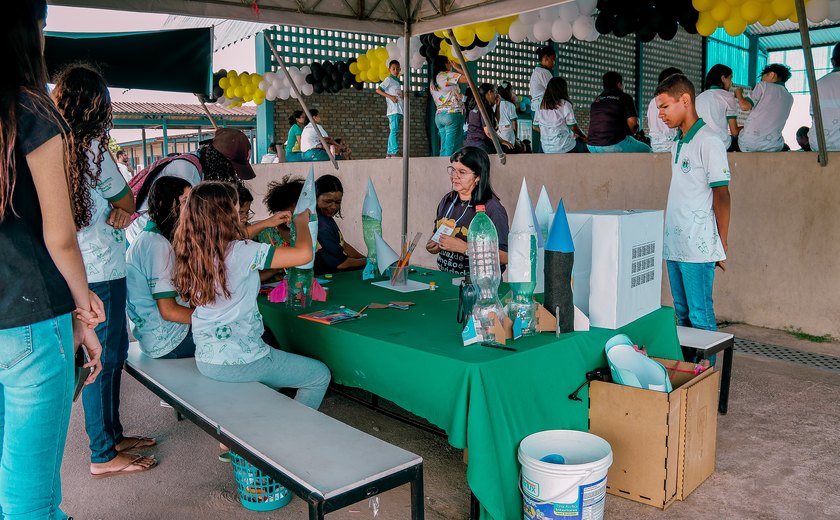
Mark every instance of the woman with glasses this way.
pixel 470 176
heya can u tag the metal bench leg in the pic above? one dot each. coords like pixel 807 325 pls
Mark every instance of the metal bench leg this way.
pixel 316 511
pixel 417 499
pixel 726 375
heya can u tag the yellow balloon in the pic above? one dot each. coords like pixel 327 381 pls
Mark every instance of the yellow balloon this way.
pixel 384 72
pixel 782 8
pixel 794 17
pixel 223 82
pixel 751 11
pixel 354 68
pixel 735 3
pixel 233 81
pixel 465 35
pixel 363 62
pixel 735 25
pixel 502 25
pixel 383 54
pixel 702 5
pixel 255 79
pixel 721 11
pixel 232 74
pixel 238 92
pixel 230 93
pixel 706 25
pixel 485 31
pixel 768 18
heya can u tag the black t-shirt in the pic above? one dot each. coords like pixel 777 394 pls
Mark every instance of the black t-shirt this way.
pixel 463 212
pixel 31 287
pixel 608 117
pixel 475 132
pixel 330 254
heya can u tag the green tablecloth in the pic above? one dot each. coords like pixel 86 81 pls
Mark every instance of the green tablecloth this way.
pixel 485 399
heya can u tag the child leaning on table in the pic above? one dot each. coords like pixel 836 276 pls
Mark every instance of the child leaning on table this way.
pixel 697 216
pixel 216 271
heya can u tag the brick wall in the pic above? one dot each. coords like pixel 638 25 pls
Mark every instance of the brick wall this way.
pixel 359 118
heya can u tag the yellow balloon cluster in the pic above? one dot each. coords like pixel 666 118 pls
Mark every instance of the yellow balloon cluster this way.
pixel 735 15
pixel 466 35
pixel 372 66
pixel 242 88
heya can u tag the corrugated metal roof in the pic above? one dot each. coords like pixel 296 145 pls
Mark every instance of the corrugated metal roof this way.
pixel 129 110
pixel 225 32
pixel 824 35
pixel 785 26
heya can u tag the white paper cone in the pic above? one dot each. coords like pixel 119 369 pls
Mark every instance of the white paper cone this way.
pixel 385 255
pixel 371 207
pixel 581 321
pixel 544 212
pixel 521 239
pixel 307 201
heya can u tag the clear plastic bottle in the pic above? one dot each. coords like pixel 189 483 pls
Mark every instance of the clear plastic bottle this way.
pixel 485 273
pixel 522 304
pixel 371 226
pixel 299 279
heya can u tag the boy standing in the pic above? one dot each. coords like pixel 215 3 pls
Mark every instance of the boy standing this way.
pixel 391 90
pixel 542 74
pixel 697 216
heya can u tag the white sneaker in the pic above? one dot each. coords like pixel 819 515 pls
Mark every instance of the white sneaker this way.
pixel 164 404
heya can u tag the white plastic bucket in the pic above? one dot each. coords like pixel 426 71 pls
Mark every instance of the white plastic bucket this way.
pixel 575 489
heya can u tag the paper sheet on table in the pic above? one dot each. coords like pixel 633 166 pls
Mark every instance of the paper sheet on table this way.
pixel 410 286
pixel 385 254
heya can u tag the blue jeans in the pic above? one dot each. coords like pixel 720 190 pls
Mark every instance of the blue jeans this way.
pixel 394 125
pixel 294 157
pixel 450 126
pixel 101 399
pixel 278 369
pixel 628 145
pixel 316 154
pixel 36 393
pixel 691 288
pixel 185 349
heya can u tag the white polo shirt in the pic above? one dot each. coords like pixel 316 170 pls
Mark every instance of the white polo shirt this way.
pixel 698 164
pixel 392 87
pixel 150 261
pixel 828 87
pixel 539 81
pixel 229 331
pixel 102 246
pixel 763 128
pixel 661 137
pixel 556 128
pixel 309 139
pixel 716 107
pixel 507 115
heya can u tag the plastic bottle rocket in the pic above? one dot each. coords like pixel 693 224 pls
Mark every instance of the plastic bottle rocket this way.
pixel 522 265
pixel 371 225
pixel 544 214
pixel 559 260
pixel 486 274
pixel 300 277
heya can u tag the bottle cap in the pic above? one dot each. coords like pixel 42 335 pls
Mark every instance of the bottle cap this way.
pixel 480 208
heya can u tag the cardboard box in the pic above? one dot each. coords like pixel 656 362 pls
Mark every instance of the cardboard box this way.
pixel 618 264
pixel 663 443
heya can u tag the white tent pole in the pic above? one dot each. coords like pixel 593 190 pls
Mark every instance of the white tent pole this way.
pixel 484 115
pixel 300 99
pixel 406 123
pixel 822 158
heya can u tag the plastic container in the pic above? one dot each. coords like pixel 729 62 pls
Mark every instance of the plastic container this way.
pixel 522 305
pixel 485 273
pixel 257 491
pixel 575 488
pixel 371 226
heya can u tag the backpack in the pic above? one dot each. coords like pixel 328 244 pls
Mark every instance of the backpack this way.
pixel 141 183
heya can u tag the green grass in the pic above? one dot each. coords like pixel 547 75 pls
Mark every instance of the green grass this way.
pixel 799 334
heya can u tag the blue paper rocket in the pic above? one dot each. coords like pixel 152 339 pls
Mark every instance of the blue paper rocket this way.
pixel 560 236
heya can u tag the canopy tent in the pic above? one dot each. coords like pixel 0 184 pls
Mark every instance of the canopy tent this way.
pixel 174 61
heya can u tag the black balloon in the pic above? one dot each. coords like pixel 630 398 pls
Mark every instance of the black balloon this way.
pixel 646 33
pixel 604 23
pixel 310 78
pixel 668 30
pixel 218 91
pixel 326 81
pixel 358 86
pixel 318 88
pixel 479 43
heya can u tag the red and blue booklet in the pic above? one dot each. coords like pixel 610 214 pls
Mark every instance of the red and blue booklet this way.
pixel 332 315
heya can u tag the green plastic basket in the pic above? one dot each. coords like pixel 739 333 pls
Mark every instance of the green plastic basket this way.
pixel 257 491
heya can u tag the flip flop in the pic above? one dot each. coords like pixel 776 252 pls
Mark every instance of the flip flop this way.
pixel 121 471
pixel 137 442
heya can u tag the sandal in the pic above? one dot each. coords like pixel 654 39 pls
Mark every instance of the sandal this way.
pixel 137 442
pixel 122 470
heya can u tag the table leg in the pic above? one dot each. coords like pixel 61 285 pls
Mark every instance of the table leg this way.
pixel 417 499
pixel 316 511
pixel 726 375
pixel 475 507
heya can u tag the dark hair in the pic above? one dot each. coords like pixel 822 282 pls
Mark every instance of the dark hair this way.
pixel 164 208
pixel 215 166
pixel 505 90
pixel 23 73
pixel 782 71
pixel 438 66
pixel 283 195
pixel 328 184
pixel 483 90
pixel 294 117
pixel 675 86
pixel 392 62
pixel 314 112
pixel 82 97
pixel 120 153
pixel 544 51
pixel 668 72
pixel 802 131
pixel 835 55
pixel 713 77
pixel 243 194
pixel 611 79
pixel 273 146
pixel 478 161
pixel 556 92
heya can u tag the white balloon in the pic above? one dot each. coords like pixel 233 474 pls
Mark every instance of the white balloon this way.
pixel 561 31
pixel 518 31
pixel 293 95
pixel 569 12
pixel 417 61
pixel 594 36
pixel 531 36
pixel 392 48
pixel 587 7
pixel 271 93
pixel 583 28
pixel 817 10
pixel 269 77
pixel 263 85
pixel 529 18
pixel 542 30
pixel 549 13
pixel 305 70
pixel 283 93
pixel 307 90
pixel 834 11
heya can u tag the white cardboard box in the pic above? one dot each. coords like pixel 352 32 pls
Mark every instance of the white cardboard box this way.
pixel 618 264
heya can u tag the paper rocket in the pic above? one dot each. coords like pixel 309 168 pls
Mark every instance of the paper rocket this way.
pixel 279 293
pixel 560 237
pixel 522 241
pixel 544 212
pixel 307 201
pixel 371 207
pixel 385 255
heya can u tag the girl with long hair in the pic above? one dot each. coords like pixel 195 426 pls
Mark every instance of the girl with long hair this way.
pixel 559 131
pixel 161 321
pixel 445 88
pixel 478 134
pixel 718 107
pixel 48 311
pixel 297 121
pixel 507 112
pixel 216 270
pixel 103 207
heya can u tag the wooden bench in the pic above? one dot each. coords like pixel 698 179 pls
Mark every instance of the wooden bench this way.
pixel 708 343
pixel 325 462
